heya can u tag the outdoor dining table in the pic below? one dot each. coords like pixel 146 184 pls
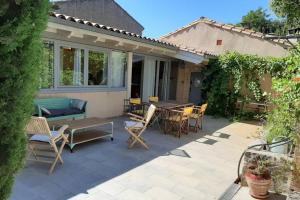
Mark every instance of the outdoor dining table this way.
pixel 162 108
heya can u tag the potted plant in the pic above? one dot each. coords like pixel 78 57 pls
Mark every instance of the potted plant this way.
pixel 258 177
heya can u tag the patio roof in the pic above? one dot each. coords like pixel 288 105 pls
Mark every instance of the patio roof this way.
pixel 97 33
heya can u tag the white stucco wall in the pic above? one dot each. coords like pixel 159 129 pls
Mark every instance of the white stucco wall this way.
pixel 100 104
pixel 202 36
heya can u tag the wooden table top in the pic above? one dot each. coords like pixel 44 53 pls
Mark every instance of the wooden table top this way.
pixel 80 123
pixel 169 105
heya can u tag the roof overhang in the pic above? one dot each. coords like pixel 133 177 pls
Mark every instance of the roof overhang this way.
pixel 101 37
pixel 191 57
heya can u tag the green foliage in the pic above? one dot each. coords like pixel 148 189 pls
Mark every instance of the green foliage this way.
pixel 259 20
pixel 21 24
pixel 236 76
pixel 283 120
pixel 288 9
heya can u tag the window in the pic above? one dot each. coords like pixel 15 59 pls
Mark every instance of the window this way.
pixel 47 72
pixel 219 42
pixel 119 63
pixel 75 65
pixel 98 65
pixel 71 66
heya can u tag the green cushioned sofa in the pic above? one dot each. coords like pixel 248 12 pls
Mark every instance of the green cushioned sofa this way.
pixel 60 108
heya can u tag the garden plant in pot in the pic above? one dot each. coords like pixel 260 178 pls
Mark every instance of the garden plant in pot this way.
pixel 258 177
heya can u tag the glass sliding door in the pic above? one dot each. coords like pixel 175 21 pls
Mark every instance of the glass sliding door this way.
pixel 173 80
pixel 161 78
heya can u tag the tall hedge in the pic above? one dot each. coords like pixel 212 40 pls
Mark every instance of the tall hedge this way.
pixel 21 25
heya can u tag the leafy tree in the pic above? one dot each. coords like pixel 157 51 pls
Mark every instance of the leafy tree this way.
pixel 259 20
pixel 21 24
pixel 288 9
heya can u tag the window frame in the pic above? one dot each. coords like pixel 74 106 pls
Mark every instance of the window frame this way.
pixel 85 87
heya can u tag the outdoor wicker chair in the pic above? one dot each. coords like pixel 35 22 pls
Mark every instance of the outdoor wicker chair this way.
pixel 178 120
pixel 197 117
pixel 42 142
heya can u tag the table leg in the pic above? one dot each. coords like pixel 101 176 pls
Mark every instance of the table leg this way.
pixel 112 131
pixel 71 145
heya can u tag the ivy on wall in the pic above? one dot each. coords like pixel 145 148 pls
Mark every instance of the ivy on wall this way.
pixel 229 76
pixel 234 76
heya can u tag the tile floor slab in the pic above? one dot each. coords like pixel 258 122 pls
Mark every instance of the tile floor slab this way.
pixel 108 170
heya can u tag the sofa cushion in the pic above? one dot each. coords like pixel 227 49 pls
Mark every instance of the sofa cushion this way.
pixel 77 103
pixel 45 111
pixel 64 112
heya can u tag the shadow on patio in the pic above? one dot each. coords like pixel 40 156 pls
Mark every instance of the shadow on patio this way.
pixel 196 166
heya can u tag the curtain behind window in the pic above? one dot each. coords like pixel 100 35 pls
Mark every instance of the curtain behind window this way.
pixel 119 63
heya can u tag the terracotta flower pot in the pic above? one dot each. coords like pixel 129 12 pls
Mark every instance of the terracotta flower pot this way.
pixel 258 186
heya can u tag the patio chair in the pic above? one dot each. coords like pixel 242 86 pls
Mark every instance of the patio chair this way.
pixel 136 106
pixel 197 116
pixel 178 120
pixel 42 142
pixel 137 126
pixel 153 99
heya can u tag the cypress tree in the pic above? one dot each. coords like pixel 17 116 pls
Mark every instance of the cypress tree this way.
pixel 21 25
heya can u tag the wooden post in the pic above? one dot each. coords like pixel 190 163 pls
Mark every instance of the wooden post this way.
pixel 129 73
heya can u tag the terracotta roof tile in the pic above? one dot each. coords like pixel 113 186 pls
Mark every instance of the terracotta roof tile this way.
pixel 227 27
pixel 100 26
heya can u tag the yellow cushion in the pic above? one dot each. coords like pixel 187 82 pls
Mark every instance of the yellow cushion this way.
pixel 135 101
pixel 188 110
pixel 153 99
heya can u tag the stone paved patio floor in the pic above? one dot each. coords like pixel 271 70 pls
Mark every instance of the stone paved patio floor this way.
pixel 197 166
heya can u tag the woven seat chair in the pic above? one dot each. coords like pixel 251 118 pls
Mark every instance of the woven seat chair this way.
pixel 136 106
pixel 42 142
pixel 197 117
pixel 178 121
pixel 137 126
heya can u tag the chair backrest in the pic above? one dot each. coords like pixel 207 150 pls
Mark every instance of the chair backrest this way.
pixel 203 108
pixel 149 113
pixel 188 110
pixel 53 103
pixel 38 126
pixel 135 100
pixel 153 99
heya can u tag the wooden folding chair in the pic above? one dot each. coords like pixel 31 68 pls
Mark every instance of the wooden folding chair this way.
pixel 197 116
pixel 178 120
pixel 42 143
pixel 137 126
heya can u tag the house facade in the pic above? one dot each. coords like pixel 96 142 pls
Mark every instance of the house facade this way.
pixel 211 37
pixel 105 65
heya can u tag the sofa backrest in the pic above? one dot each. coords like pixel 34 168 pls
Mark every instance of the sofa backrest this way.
pixel 53 103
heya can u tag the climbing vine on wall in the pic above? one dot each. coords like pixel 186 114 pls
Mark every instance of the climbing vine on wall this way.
pixel 234 76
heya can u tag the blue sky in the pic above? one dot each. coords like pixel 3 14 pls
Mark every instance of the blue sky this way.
pixel 160 17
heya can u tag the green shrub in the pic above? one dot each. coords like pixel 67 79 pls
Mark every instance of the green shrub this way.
pixel 234 76
pixel 21 25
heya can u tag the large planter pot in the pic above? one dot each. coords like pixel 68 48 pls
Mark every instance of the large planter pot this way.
pixel 258 186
